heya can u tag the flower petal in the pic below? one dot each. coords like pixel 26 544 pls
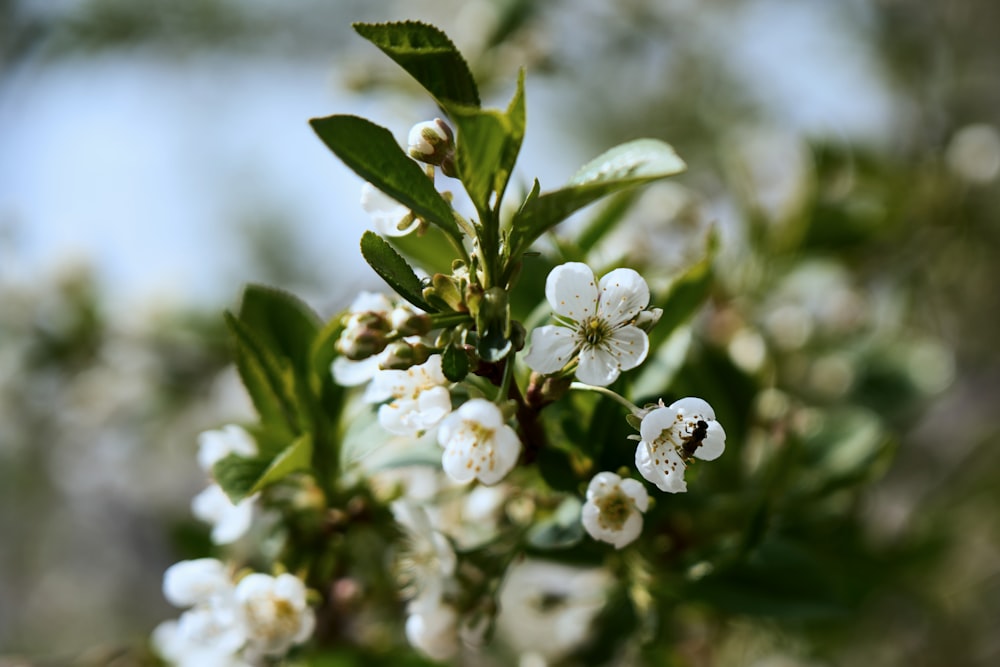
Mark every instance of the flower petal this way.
pixel 656 422
pixel 691 407
pixel 572 291
pixel 663 468
pixel 349 373
pixel 505 449
pixel 598 367
pixel 552 347
pixel 629 345
pixel 714 443
pixel 637 492
pixel 623 293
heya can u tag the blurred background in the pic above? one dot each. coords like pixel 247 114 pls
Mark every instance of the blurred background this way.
pixel 155 157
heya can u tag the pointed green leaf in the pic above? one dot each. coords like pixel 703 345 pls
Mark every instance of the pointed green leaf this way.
pixel 263 375
pixel 393 269
pixel 633 163
pixel 283 322
pixel 240 476
pixel 372 152
pixel 428 56
pixel 455 363
pixel 488 145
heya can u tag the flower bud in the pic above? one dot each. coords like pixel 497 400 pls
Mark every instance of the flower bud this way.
pixel 402 355
pixel 405 322
pixel 647 319
pixel 432 142
pixel 364 334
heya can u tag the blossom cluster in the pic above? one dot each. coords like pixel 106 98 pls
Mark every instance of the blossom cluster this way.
pixel 237 623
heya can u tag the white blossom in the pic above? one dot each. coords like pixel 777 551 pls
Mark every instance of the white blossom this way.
pixel 275 611
pixel 672 434
pixel 477 443
pixel 596 323
pixel 190 582
pixel 389 216
pixel 548 608
pixel 428 559
pixel 614 507
pixel 419 397
pixel 432 626
pixel 430 142
pixel 215 445
pixel 229 521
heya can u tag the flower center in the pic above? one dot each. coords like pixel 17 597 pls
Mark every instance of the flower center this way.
pixel 594 331
pixel 615 509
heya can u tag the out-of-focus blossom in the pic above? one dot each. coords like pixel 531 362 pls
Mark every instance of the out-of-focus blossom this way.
pixel 614 507
pixel 389 217
pixel 229 521
pixel 215 445
pixel 275 611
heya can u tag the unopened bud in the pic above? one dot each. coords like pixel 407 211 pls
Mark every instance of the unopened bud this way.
pixel 647 319
pixel 543 390
pixel 402 355
pixel 408 323
pixel 432 142
pixel 364 334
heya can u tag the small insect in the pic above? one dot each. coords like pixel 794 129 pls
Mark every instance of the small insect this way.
pixel 693 441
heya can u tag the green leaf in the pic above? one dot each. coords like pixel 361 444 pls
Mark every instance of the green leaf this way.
pixel 283 322
pixel 560 531
pixel 393 269
pixel 263 375
pixel 372 152
pixel 240 476
pixel 427 54
pixel 488 145
pixel 455 363
pixel 633 163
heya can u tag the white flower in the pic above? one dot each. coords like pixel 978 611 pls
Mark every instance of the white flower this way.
pixel 212 631
pixel 548 608
pixel 213 446
pixel 613 511
pixel 432 627
pixel 275 611
pixel 428 560
pixel 596 322
pixel 389 216
pixel 229 521
pixel 477 443
pixel 420 397
pixel 190 582
pixel 674 433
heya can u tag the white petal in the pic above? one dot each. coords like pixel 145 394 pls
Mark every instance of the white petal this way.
pixel 598 367
pixel 229 522
pixel 572 291
pixel 623 293
pixel 637 492
pixel 656 422
pixel 395 417
pixel 665 468
pixel 482 412
pixel 630 531
pixel 601 484
pixel 506 449
pixel 552 347
pixel 349 373
pixel 457 464
pixel 714 443
pixel 386 213
pixel 629 345
pixel 213 446
pixel 691 407
pixel 190 582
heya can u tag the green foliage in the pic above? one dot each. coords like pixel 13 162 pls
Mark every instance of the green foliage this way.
pixel 393 269
pixel 240 477
pixel 372 152
pixel 428 56
pixel 630 164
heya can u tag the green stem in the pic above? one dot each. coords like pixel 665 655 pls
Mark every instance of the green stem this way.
pixel 632 407
pixel 443 320
pixel 508 373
